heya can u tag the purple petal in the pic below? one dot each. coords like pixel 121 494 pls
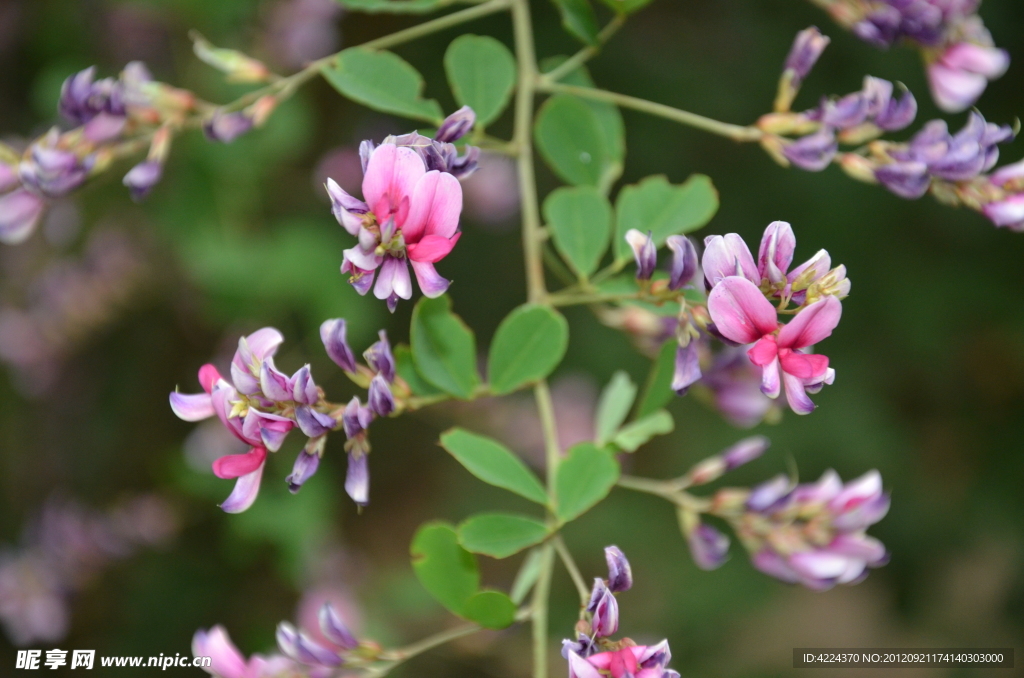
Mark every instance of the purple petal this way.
pixel 357 480
pixel 305 467
pixel 620 574
pixel 708 546
pixel 275 385
pixel 379 398
pixel 776 252
pixel 191 407
pixel 726 256
pixel 312 423
pixel 769 494
pixel 380 358
pixel 745 451
pixel 456 125
pixel 430 281
pixel 684 261
pixel 687 369
pixel 335 630
pixel 806 49
pixel 247 487
pixel 332 334
pixel 813 152
pixel 906 179
pixel 644 253
pixel 393 278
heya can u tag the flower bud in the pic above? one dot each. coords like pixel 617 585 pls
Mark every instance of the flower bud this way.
pixel 314 424
pixel 303 649
pixel 332 334
pixel 456 125
pixel 644 252
pixel 605 610
pixel 813 152
pixel 687 368
pixel 620 574
pixel 356 418
pixel 858 167
pixel 335 630
pixel 305 467
pixel 708 547
pixel 905 179
pixel 684 261
pixel 807 48
pixel 380 399
pixel 20 212
pixel 226 127
pixel 357 480
pixel 141 179
pixel 745 451
pixel 380 358
pixel 237 66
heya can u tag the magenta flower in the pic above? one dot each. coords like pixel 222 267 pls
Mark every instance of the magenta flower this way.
pixel 961 74
pixel 638 661
pixel 742 314
pixel 228 662
pixel 410 215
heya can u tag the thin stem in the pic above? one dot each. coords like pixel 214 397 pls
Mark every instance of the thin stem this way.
pixel 666 489
pixel 546 409
pixel 430 642
pixel 539 615
pixel 587 53
pixel 527 58
pixel 735 132
pixel 570 565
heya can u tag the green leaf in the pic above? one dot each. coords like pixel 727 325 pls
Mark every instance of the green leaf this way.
pixel 529 343
pixel 500 535
pixel 578 19
pixel 572 142
pixel 445 569
pixel 581 224
pixel 609 119
pixel 493 463
pixel 528 574
pixel 656 205
pixel 490 609
pixel 626 6
pixel 394 6
pixel 658 389
pixel 585 477
pixel 482 75
pixel 635 434
pixel 613 407
pixel 443 348
pixel 405 366
pixel 382 81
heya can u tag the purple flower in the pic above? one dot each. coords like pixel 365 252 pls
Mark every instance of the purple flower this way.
pixel 745 451
pixel 226 127
pixel 735 383
pixel 303 649
pixel 620 574
pixel 332 333
pixel 644 252
pixel 380 358
pixel 687 367
pixel 726 256
pixel 228 662
pixel 961 74
pixel 806 49
pixel 634 661
pixel 357 480
pixel 82 99
pixel 20 212
pixel 52 171
pixel 305 467
pixel 334 628
pixel 380 398
pixel 605 610
pixel 141 179
pixel 708 547
pixel 813 152
pixel 684 261
pixel 456 125
pixel 906 179
pixel 1007 213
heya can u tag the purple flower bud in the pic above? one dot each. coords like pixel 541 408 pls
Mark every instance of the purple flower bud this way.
pixel 304 390
pixel 141 179
pixel 335 630
pixel 847 112
pixel 1006 213
pixel 305 467
pixel 456 125
pixel 620 574
pixel 687 371
pixel 332 334
pixel 806 49
pixel 366 148
pixel 20 212
pixel 582 646
pixel 745 451
pixel 605 610
pixel 644 252
pixel 347 210
pixel 313 423
pixel 303 649
pixel 897 114
pixel 708 546
pixel 357 480
pixel 464 165
pixel 776 252
pixel 906 179
pixel 82 99
pixel 380 399
pixel 356 418
pixel 684 261
pixel 813 152
pixel 380 359
pixel 226 127
pixel 52 171
pixel 768 494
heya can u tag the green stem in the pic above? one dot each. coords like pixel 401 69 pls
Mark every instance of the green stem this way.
pixel 735 132
pixel 539 612
pixel 587 53
pixel 430 642
pixel 666 489
pixel 574 571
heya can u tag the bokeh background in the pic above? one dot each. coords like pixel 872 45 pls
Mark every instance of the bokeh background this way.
pixel 112 305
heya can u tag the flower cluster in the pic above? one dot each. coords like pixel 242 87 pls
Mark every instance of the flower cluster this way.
pixel 813 533
pixel 260 406
pixel 593 654
pixel 956 45
pixel 410 210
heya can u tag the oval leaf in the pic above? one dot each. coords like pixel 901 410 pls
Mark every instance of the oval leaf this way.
pixel 405 366
pixel 382 81
pixel 500 535
pixel 528 574
pixel 613 407
pixel 482 74
pixel 578 19
pixel 585 477
pixel 493 463
pixel 490 609
pixel 609 119
pixel 571 141
pixel 656 205
pixel 528 345
pixel 446 570
pixel 581 224
pixel 632 436
pixel 443 348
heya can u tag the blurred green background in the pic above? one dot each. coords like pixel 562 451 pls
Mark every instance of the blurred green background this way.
pixel 929 356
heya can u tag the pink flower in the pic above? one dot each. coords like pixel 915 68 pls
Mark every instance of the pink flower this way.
pixel 1008 213
pixel 638 661
pixel 961 74
pixel 228 662
pixel 409 215
pixel 742 314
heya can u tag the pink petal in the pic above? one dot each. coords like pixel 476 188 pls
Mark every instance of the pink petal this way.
pixel 812 324
pixel 988 61
pixel 431 283
pixel 1007 212
pixel 244 494
pixel 581 668
pixel 391 175
pixel 819 564
pixel 264 342
pixel 236 465
pixel 809 367
pixel 740 312
pixel 776 252
pixel 208 377
pixel 796 396
pixel 192 407
pixel 20 212
pixel 764 351
pixel 771 383
pixel 954 90
pixel 868 486
pixel 728 255
pixel 432 248
pixel 225 659
pixel 436 205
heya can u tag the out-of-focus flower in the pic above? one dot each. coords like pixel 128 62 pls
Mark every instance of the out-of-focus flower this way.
pixel 644 253
pixel 807 48
pixel 715 467
pixel 960 75
pixel 814 534
pixel 813 152
pixel 492 193
pixel 20 212
pixel 620 574
pixel 708 546
pixel 604 610
pixel 228 662
pixel 299 31
pixel 735 385
pixel 226 127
